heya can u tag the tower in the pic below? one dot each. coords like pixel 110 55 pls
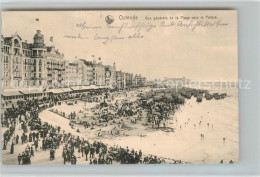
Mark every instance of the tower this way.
pixel 114 66
pixel 38 55
pixel 38 38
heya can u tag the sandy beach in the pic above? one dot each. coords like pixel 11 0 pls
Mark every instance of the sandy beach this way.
pixel 219 119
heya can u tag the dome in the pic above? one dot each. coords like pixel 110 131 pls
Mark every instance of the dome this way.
pixel 38 34
pixel 38 38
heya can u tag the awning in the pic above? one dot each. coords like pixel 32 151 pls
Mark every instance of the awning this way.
pixel 98 87
pixel 102 87
pixel 27 92
pixel 56 91
pixel 88 87
pixel 66 89
pixel 94 87
pixel 11 93
pixel 76 88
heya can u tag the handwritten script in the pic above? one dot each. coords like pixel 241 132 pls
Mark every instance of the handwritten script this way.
pixel 139 30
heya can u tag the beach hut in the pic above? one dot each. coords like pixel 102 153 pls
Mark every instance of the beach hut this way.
pixel 223 95
pixel 157 98
pixel 208 96
pixel 199 98
pixel 216 96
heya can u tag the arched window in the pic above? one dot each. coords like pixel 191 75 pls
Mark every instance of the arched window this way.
pixel 16 43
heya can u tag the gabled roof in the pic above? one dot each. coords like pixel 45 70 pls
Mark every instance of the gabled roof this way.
pixel 88 63
pixel 16 35
pixel 11 37
pixel 49 48
pixel 26 45
pixel 7 39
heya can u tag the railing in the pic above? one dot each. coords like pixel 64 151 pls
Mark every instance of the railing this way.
pixel 17 77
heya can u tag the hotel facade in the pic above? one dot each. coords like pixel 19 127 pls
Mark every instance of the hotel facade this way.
pixel 34 70
pixel 27 65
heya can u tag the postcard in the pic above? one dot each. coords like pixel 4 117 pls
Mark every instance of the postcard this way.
pixel 119 87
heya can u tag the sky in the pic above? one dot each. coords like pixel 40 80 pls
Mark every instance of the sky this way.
pixel 207 53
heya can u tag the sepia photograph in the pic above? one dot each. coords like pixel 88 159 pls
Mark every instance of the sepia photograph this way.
pixel 112 87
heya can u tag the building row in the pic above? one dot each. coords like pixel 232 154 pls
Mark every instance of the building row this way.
pixel 26 65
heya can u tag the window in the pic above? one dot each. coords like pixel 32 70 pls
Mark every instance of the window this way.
pixel 16 43
pixel 40 52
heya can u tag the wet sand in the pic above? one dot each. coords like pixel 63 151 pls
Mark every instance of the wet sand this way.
pixel 185 143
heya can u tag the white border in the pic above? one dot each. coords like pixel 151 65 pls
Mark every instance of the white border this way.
pixel 249 102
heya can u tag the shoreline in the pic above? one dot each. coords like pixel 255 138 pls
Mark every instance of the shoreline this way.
pixel 143 131
pixel 170 142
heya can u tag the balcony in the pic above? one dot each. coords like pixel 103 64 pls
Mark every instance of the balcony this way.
pixel 17 54
pixel 37 56
pixel 17 77
pixel 17 45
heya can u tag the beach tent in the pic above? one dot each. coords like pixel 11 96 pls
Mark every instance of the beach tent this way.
pixel 157 98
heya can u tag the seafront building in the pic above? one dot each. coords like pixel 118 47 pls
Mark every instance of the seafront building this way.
pixel 138 80
pixel 27 65
pixel 34 70
pixel 73 74
pixel 110 76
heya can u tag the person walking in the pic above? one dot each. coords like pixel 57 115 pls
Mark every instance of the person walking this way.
pixel 32 151
pixel 17 139
pixel 92 151
pixel 86 152
pixel 19 159
pixel 5 144
pixel 12 148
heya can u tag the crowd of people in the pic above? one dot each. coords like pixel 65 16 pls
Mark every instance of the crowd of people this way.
pixel 40 136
